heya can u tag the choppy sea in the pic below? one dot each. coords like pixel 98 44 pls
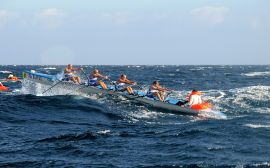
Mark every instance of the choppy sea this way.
pixel 74 130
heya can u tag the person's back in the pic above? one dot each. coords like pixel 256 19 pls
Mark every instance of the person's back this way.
pixel 195 99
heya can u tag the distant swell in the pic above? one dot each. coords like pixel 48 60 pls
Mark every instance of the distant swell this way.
pixel 71 137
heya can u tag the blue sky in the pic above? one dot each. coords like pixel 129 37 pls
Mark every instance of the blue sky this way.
pixel 135 32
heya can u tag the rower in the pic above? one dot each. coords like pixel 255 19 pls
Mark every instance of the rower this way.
pixel 95 79
pixel 122 82
pixel 156 90
pixel 69 74
pixel 194 98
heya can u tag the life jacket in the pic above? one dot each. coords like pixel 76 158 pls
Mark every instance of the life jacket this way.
pixel 13 78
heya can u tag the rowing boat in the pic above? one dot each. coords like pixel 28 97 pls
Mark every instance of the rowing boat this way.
pixel 50 80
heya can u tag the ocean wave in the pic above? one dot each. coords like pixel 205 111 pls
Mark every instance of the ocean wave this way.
pixel 257 93
pixel 138 115
pixel 5 72
pixel 70 137
pixel 257 126
pixel 200 68
pixel 243 100
pixel 104 132
pixel 252 74
pixel 50 68
pixel 212 115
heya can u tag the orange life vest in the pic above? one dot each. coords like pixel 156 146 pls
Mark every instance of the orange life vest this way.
pixel 13 78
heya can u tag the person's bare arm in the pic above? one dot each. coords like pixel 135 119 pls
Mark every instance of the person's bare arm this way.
pixel 130 82
pixel 101 76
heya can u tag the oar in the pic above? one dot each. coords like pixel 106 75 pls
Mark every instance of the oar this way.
pixel 139 86
pixel 85 74
pixel 52 86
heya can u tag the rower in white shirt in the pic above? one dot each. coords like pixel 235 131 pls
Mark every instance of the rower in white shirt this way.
pixel 194 98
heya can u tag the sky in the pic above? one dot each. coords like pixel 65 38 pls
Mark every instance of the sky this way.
pixel 129 32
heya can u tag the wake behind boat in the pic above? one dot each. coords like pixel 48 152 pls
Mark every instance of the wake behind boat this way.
pixel 170 105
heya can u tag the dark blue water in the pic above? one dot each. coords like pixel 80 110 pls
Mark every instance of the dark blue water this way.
pixel 59 130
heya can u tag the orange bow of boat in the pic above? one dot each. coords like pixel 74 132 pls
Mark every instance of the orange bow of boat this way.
pixel 3 88
pixel 201 106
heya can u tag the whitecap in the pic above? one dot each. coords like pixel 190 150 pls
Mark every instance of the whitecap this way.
pixel 257 93
pixel 104 132
pixel 5 72
pixel 257 126
pixel 252 74
pixel 196 69
pixel 50 68
pixel 262 164
pixel 144 114
pixel 212 115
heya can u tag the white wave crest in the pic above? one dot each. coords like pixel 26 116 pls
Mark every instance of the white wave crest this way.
pixel 5 72
pixel 200 68
pixel 104 132
pixel 144 114
pixel 251 74
pixel 50 68
pixel 248 98
pixel 257 126
pixel 212 115
pixel 257 93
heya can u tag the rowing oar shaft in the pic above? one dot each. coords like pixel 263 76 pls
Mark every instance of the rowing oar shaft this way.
pixel 85 74
pixel 52 87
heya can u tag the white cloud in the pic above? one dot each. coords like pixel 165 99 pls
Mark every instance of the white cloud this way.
pixel 51 18
pixel 3 13
pixel 4 17
pixel 210 14
pixel 51 13
pixel 115 17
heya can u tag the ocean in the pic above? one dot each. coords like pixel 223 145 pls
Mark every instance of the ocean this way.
pixel 65 129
